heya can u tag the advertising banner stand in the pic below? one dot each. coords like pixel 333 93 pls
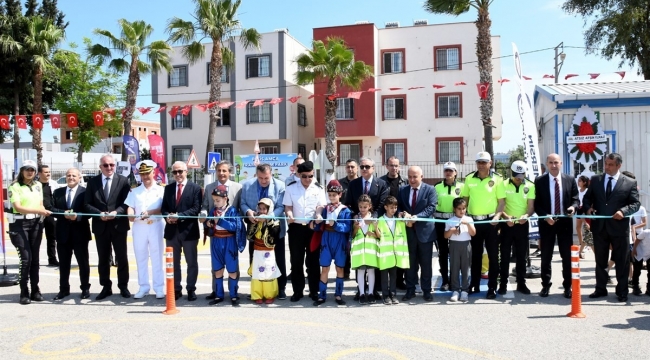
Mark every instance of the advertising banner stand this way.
pixel 6 279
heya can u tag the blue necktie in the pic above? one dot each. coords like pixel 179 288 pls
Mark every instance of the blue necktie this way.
pixel 69 201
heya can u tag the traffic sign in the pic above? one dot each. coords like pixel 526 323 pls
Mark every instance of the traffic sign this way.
pixel 213 160
pixel 193 161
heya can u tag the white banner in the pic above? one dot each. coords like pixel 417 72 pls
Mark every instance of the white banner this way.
pixel 586 139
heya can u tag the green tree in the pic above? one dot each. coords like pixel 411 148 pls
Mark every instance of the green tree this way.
pixel 92 88
pixel 516 154
pixel 483 51
pixel 334 63
pixel 145 154
pixel 131 44
pixel 619 28
pixel 216 20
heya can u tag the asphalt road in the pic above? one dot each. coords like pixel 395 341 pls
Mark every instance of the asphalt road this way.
pixel 514 326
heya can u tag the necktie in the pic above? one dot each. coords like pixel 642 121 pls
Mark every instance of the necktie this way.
pixel 178 193
pixel 107 188
pixel 69 201
pixel 557 198
pixel 608 190
pixel 365 188
pixel 414 199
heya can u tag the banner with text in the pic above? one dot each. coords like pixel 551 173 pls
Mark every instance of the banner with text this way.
pixel 132 149
pixel 280 165
pixel 157 150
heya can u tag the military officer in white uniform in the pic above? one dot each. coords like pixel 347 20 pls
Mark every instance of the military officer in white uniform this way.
pixel 144 202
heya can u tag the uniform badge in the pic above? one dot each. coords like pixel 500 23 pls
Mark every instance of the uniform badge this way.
pixel 526 190
pixel 38 188
pixel 491 183
pixel 457 191
pixel 9 194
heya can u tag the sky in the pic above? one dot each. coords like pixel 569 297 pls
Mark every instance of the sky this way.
pixel 532 25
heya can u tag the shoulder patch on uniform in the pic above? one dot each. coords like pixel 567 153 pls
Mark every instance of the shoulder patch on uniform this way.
pixel 291 183
pixel 318 184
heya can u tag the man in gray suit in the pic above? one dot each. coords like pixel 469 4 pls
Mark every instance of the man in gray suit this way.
pixel 224 169
pixel 616 195
pixel 418 201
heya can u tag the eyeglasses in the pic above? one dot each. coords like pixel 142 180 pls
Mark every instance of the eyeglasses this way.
pixel 307 176
pixel 365 167
pixel 177 172
pixel 108 165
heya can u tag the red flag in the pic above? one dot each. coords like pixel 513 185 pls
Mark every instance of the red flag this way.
pixel 294 99
pixel 527 78
pixel 212 104
pixel 593 75
pixel 416 87
pixel 258 103
pixel 622 73
pixel 144 110
pixel 394 88
pixel 55 120
pixel 161 109
pixel 311 96
pixel 37 121
pixel 226 104
pixel 568 76
pixel 372 90
pixel 173 111
pixel 333 97
pixel 98 118
pixel 483 90
pixel 354 95
pixel 460 83
pixel 22 121
pixel 435 86
pixel 202 107
pixel 123 112
pixel 547 76
pixel 110 111
pixel 4 122
pixel 275 101
pixel 242 104
pixel 72 120
pixel 503 81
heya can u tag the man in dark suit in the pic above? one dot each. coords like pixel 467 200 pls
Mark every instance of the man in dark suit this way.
pixel 73 233
pixel 182 198
pixel 105 195
pixel 418 201
pixel 616 195
pixel 557 195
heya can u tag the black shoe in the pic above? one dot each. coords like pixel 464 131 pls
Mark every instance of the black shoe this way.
pixel 282 295
pixel 215 301
pixel 296 297
pixel 491 294
pixel 61 295
pixel 428 297
pixel 53 263
pixel 630 283
pixel 191 296
pixel 313 297
pixel 609 280
pixel 622 298
pixel 537 252
pixel 212 296
pixel 376 294
pixel 503 289
pixel 544 292
pixel 597 294
pixel 522 288
pixel 356 296
pixel 234 302
pixel 363 300
pixel 394 300
pixel 408 296
pixel 387 300
pixel 125 293
pixel 568 293
pixel 318 302
pixel 178 294
pixel 24 298
pixel 339 301
pixel 474 290
pixel 36 296
pixel 636 291
pixel 444 287
pixel 371 299
pixel 106 292
pixel 85 294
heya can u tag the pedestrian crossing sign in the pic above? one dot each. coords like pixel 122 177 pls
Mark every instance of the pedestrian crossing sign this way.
pixel 213 159
pixel 193 161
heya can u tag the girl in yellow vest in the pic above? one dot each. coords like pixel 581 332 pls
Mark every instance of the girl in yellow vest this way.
pixel 363 252
pixel 393 250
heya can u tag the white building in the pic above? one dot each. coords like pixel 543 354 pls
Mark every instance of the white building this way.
pixel 265 74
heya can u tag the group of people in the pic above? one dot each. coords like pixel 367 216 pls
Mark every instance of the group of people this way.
pixel 382 228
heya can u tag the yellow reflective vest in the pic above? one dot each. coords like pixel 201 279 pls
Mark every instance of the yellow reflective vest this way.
pixel 393 248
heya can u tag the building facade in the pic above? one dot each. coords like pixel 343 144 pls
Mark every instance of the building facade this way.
pixel 263 74
pixel 140 129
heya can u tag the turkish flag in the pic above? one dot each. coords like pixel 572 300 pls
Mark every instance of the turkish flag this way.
pixel 202 107
pixel 354 95
pixel 394 88
pixel 311 96
pixel 37 121
pixel 435 86
pixel 98 118
pixel 460 83
pixel 333 96
pixel 294 99
pixel 144 110
pixel 527 78
pixel 173 111
pixel 4 122
pixel 483 90
pixel 55 120
pixel 373 90
pixel 503 81
pixel 568 76
pixel 621 73
pixel 547 76
pixel 22 121
pixel 123 112
pixel 72 120
pixel 186 110
pixel 275 101
pixel 226 104
pixel 258 103
pixel 593 75
pixel 212 104
pixel 416 87
pixel 110 111
pixel 242 104
pixel 161 109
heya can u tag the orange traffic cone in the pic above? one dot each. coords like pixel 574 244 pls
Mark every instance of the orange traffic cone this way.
pixel 576 301
pixel 171 298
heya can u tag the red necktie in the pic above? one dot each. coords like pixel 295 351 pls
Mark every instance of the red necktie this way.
pixel 557 198
pixel 178 193
pixel 365 190
pixel 414 199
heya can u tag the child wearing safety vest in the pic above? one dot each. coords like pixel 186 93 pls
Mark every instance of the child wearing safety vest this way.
pixel 364 249
pixel 459 229
pixel 393 250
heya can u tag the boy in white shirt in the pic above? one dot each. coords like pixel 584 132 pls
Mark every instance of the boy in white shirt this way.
pixel 640 253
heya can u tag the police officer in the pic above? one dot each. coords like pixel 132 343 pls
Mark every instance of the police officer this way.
pixel 447 190
pixel 516 204
pixel 144 202
pixel 480 191
pixel 26 197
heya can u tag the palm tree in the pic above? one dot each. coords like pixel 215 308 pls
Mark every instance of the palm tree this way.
pixel 131 44
pixel 217 20
pixel 483 50
pixel 334 63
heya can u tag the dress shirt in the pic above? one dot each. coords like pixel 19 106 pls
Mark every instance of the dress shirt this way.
pixel 364 181
pixel 551 185
pixel 71 191
pixel 142 199
pixel 411 194
pixel 614 180
pixel 304 201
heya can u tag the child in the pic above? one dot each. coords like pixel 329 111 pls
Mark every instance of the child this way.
pixel 459 229
pixel 640 252
pixel 581 223
pixel 363 252
pixel 227 236
pixel 336 232
pixel 264 235
pixel 393 250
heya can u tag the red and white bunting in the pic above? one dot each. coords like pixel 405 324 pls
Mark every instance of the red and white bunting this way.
pixel 593 75
pixel 503 81
pixel 22 121
pixel 355 95
pixel 547 76
pixel 569 76
pixel 110 111
pixel 527 78
pixel 72 120
pixel 416 87
pixel 174 111
pixel 144 110
pixel 186 110
pixel 37 121
pixel 294 99
pixel 55 120
pixel 259 102
pixel 372 90
pixel 4 122
pixel 621 73
pixel 202 107
pixel 394 88
pixel 98 118
pixel 275 101
pixel 226 104
pixel 436 86
pixel 242 104
pixel 161 109
pixel 212 104
pixel 460 83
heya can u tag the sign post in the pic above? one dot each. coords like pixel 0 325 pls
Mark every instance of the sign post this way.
pixel 193 163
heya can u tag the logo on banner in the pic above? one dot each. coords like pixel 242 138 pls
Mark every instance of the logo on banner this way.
pixel 585 126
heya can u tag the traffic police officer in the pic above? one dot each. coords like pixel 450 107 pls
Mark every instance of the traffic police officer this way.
pixel 517 195
pixel 447 190
pixel 143 202
pixel 480 191
pixel 26 198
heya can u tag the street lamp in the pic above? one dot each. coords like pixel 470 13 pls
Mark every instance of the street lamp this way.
pixel 559 55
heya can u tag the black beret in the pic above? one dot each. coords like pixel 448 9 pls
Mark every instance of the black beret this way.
pixel 307 166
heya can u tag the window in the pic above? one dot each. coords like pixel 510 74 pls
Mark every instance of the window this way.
pixel 181 153
pixel 392 61
pixel 182 121
pixel 447 58
pixel 395 147
pixel 68 135
pixel 259 114
pixel 117 149
pixel 224 74
pixel 449 149
pixel 270 148
pixel 258 66
pixel 154 132
pixel 348 149
pixel 225 150
pixel 344 108
pixel 394 107
pixel 178 76
pixel 224 117
pixel 302 150
pixel 302 115
pixel 449 105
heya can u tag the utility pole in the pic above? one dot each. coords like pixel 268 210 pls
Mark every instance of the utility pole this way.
pixel 559 55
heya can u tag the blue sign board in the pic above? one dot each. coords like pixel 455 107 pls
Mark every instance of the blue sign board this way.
pixel 213 160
